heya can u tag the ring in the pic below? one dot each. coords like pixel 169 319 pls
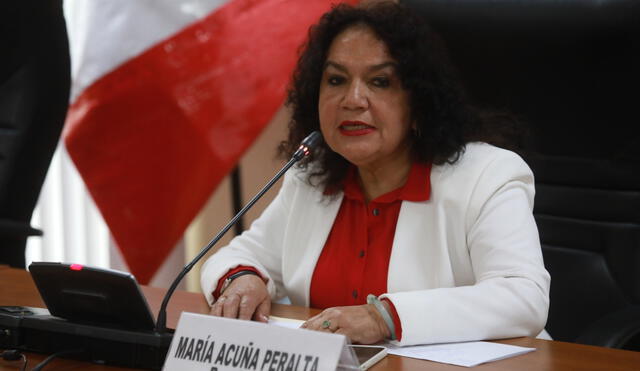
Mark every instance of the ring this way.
pixel 326 324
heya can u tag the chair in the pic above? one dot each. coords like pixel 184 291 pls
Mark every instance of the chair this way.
pixel 571 70
pixel 34 94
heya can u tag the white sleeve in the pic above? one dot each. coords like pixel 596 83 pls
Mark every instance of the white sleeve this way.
pixel 511 295
pixel 259 247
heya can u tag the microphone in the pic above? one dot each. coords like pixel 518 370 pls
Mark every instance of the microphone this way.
pixel 306 146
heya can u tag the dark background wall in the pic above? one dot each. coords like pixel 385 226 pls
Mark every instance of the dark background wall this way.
pixel 568 68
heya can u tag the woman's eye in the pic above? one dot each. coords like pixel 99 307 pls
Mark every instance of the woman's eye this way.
pixel 335 80
pixel 380 82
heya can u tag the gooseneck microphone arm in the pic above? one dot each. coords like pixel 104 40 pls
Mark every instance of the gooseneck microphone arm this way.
pixel 304 150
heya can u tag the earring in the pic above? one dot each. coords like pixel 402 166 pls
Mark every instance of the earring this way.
pixel 417 133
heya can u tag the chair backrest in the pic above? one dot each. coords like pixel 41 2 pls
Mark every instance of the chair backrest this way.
pixel 571 71
pixel 589 222
pixel 34 94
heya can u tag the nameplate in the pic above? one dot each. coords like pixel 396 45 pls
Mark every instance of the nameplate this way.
pixel 210 343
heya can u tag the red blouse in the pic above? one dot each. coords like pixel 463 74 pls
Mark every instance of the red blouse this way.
pixel 355 259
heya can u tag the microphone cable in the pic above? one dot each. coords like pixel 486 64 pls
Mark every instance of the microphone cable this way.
pixel 14 355
pixel 46 361
pixel 305 149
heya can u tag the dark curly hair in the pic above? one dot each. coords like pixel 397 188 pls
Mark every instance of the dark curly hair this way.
pixel 444 120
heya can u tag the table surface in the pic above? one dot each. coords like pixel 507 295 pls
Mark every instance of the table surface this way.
pixel 17 288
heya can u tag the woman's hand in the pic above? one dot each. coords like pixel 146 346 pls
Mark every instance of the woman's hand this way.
pixel 246 298
pixel 363 324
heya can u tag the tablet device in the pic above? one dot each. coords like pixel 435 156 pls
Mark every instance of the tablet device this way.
pixel 96 296
pixel 368 355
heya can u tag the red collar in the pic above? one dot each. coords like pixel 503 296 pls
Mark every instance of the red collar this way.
pixel 417 187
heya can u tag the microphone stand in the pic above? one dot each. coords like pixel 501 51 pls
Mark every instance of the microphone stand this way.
pixel 304 150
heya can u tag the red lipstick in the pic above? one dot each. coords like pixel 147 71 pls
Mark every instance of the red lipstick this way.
pixel 355 128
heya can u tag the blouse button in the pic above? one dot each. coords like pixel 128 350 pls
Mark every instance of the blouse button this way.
pixel 376 212
pixel 355 294
pixel 361 253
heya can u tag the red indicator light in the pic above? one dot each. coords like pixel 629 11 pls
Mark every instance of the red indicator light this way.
pixel 76 267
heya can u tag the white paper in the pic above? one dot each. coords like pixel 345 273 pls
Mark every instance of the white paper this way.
pixel 467 354
pixel 285 322
pixel 460 354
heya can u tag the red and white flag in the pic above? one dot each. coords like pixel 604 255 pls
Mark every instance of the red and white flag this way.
pixel 167 95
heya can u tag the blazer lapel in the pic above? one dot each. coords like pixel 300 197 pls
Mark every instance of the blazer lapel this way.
pixel 307 232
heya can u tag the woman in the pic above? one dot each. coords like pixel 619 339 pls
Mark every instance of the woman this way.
pixel 402 202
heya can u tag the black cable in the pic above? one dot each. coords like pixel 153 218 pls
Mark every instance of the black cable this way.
pixel 236 198
pixel 14 355
pixel 46 361
pixel 24 362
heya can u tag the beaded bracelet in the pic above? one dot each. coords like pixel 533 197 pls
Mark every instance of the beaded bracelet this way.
pixel 232 277
pixel 372 299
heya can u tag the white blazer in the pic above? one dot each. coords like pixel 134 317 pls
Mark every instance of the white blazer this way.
pixel 465 265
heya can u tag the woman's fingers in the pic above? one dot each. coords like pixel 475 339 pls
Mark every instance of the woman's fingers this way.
pixel 248 307
pixel 327 321
pixel 216 308
pixel 263 311
pixel 230 306
pixel 309 324
pixel 243 298
pixel 358 322
pixel 361 323
pixel 225 306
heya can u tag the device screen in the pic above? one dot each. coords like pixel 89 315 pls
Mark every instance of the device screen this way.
pixel 368 355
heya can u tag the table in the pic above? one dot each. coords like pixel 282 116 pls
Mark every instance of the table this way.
pixel 17 288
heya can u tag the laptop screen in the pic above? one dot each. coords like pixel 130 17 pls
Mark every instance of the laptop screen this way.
pixel 84 294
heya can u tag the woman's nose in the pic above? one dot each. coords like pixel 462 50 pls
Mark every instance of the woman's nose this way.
pixel 355 96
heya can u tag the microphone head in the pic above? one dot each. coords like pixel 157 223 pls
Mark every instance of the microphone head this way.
pixel 307 145
pixel 312 140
